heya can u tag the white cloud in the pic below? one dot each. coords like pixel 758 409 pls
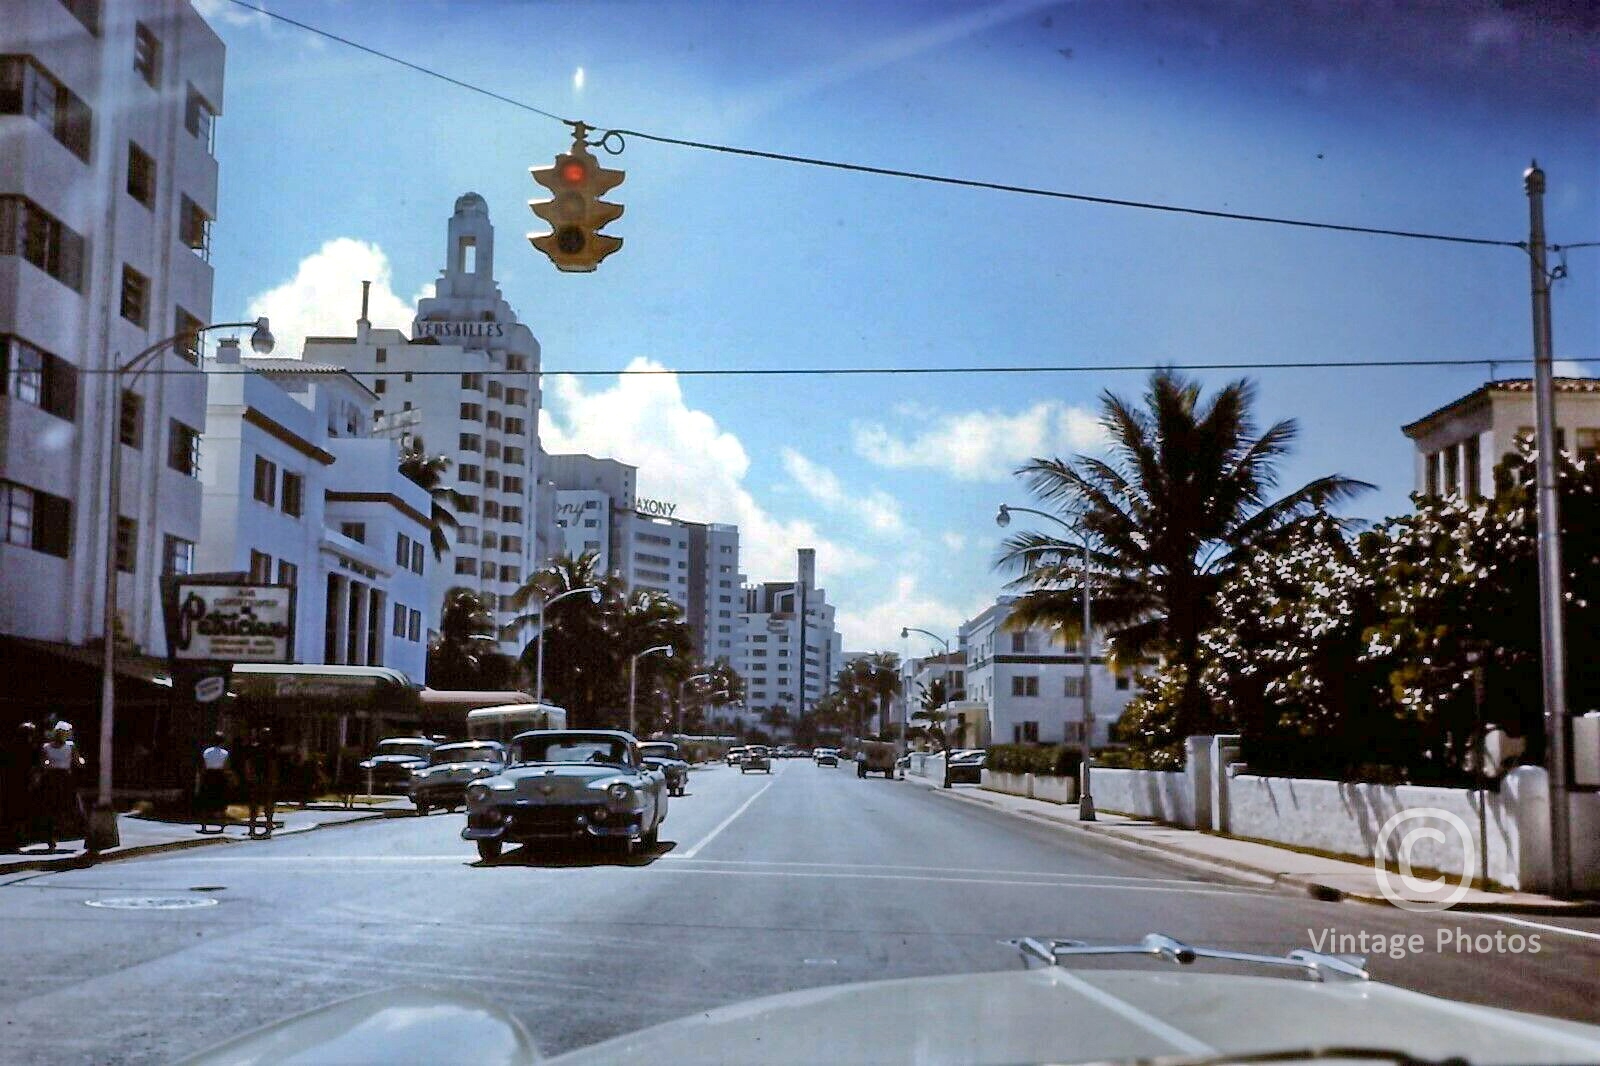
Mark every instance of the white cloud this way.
pixel 877 510
pixel 982 445
pixel 231 13
pixel 324 296
pixel 877 628
pixel 683 456
pixel 1570 368
pixel 954 541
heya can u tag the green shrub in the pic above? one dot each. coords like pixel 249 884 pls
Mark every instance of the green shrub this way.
pixel 1057 760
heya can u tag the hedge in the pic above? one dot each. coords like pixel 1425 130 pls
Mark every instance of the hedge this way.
pixel 1057 760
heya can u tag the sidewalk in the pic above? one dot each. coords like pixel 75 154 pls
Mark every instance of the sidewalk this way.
pixel 1319 876
pixel 144 836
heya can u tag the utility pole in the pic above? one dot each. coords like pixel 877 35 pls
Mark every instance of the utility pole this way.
pixel 1551 599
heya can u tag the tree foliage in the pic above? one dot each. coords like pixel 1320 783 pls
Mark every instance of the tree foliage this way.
pixel 429 472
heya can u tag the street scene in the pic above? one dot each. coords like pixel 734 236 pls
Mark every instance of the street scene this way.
pixel 957 533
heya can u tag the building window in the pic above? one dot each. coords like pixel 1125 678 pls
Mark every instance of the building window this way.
pixel 467 505
pixel 141 175
pixel 1588 444
pixel 492 419
pixel 356 531
pixel 516 362
pixel 512 514
pixel 294 492
pixel 515 456
pixel 36 377
pixel 1124 682
pixel 466 534
pixel 1469 452
pixel 183 449
pixel 470 442
pixel 491 479
pixel 511 545
pixel 414 627
pixel 383 355
pixel 1430 464
pixel 131 420
pixel 516 397
pixel 194 228
pixel 513 484
pixel 266 484
pixel 37 236
pixel 471 412
pixel 191 342
pixel 492 449
pixel 1019 642
pixel 26 88
pixel 288 573
pixel 1025 733
pixel 398 627
pixel 487 572
pixel 146 54
pixel 380 386
pixel 465 565
pixel 260 567
pixel 496 391
pixel 177 555
pixel 473 383
pixel 408 379
pixel 1024 686
pixel 515 427
pixel 200 118
pixel 416 557
pixel 127 543
pixel 468 472
pixel 1074 688
pixel 402 550
pixel 135 296
pixel 1452 471
pixel 86 12
pixel 491 510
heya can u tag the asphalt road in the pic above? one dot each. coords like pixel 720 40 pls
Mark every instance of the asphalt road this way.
pixel 761 885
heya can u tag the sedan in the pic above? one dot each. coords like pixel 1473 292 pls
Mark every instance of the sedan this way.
pixel 966 767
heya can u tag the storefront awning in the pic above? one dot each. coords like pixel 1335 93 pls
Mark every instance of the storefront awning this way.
pixel 436 699
pixel 352 687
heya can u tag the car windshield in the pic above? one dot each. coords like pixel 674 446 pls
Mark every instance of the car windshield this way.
pixel 571 749
pixel 455 753
pixel 978 433
pixel 414 748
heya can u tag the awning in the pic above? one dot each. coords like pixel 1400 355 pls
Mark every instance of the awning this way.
pixel 463 700
pixel 353 688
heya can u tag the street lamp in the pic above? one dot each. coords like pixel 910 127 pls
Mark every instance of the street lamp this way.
pixel 103 820
pixel 905 633
pixel 538 684
pixel 677 725
pixel 633 680
pixel 1002 519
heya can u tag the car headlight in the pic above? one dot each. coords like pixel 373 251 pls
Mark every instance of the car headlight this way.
pixel 621 792
pixel 477 793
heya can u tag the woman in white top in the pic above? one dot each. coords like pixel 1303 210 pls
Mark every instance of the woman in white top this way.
pixel 61 761
pixel 211 795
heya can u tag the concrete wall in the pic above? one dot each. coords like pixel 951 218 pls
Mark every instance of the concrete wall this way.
pixel 1159 795
pixel 1047 787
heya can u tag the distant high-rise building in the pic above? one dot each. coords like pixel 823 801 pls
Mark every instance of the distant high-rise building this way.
pixel 788 651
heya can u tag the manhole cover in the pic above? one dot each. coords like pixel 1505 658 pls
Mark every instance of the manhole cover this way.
pixel 151 903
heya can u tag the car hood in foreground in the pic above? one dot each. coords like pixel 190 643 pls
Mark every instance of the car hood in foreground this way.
pixel 1049 1014
pixel 562 782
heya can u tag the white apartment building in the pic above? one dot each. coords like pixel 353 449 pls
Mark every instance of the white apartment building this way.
pixel 1030 685
pixel 470 370
pixel 1458 445
pixel 642 542
pixel 918 676
pixel 108 187
pixel 788 650
pixel 297 493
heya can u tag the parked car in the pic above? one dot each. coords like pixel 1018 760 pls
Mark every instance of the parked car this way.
pixel 966 767
pixel 826 757
pixel 735 755
pixel 568 784
pixel 390 765
pixel 756 757
pixel 663 755
pixel 451 768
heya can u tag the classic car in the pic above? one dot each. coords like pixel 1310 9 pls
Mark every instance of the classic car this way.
pixel 735 754
pixel 389 767
pixel 568 784
pixel 1301 1007
pixel 756 757
pixel 451 768
pixel 827 757
pixel 663 755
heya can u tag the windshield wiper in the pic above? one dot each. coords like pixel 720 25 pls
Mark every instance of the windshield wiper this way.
pixel 1301 1054
pixel 1315 964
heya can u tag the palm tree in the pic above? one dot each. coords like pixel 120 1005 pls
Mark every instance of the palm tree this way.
pixel 428 471
pixel 931 717
pixel 776 717
pixel 872 680
pixel 466 640
pixel 1169 514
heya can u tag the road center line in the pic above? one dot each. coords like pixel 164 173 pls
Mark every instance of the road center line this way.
pixel 946 870
pixel 1565 931
pixel 841 876
pixel 709 837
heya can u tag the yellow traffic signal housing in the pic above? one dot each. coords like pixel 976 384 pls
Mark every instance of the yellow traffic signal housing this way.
pixel 575 212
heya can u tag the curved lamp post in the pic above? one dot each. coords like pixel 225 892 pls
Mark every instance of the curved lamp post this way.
pixel 633 680
pixel 1002 519
pixel 905 632
pixel 538 684
pixel 677 724
pixel 102 832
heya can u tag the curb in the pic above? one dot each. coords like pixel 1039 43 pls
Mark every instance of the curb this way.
pixel 1295 883
pixel 85 861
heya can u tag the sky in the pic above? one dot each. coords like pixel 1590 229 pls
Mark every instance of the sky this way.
pixel 337 167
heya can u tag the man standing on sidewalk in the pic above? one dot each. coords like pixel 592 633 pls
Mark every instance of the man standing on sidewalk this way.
pixel 261 779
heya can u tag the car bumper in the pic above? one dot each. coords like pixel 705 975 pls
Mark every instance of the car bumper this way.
pixel 526 824
pixel 438 795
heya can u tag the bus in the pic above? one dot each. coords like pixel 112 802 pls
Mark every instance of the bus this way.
pixel 503 723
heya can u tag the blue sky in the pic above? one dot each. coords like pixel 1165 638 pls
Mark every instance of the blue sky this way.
pixel 1379 115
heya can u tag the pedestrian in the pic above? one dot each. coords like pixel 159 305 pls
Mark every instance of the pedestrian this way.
pixel 61 762
pixel 18 768
pixel 261 779
pixel 211 792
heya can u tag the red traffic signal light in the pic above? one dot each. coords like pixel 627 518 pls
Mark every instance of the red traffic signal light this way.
pixel 575 212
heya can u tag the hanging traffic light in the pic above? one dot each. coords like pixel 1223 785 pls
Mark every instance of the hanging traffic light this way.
pixel 575 212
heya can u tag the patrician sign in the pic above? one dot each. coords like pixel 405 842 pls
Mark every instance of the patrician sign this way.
pixel 460 330
pixel 233 623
